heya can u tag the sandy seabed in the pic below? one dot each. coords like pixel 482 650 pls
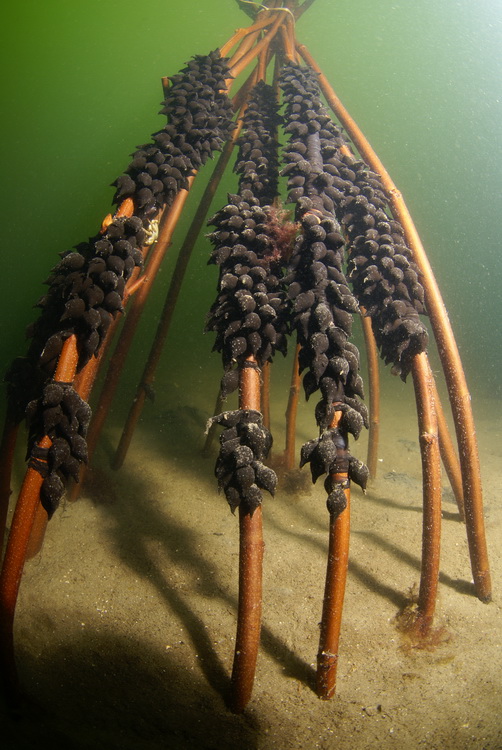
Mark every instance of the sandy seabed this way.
pixel 126 619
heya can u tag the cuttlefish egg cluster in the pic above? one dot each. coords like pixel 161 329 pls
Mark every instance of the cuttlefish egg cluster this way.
pixel 257 162
pixel 328 454
pixel 248 314
pixel 85 293
pixel 199 122
pixel 62 415
pixel 87 288
pixel 322 303
pixel 244 444
pixel 385 280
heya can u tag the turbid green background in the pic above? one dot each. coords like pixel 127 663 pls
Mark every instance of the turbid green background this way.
pixel 81 88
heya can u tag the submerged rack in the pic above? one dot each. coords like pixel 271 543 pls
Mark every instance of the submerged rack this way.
pixel 348 247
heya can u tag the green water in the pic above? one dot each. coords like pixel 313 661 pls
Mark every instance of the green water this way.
pixel 81 88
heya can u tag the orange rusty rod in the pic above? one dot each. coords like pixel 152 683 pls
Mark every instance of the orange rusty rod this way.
pixel 261 67
pixel 265 393
pixel 251 35
pixel 291 411
pixel 244 61
pixel 12 570
pixel 431 478
pixel 374 394
pixel 37 535
pixel 334 592
pixel 21 528
pixel 243 48
pixel 242 94
pixel 460 399
pixel 264 59
pixel 251 547
pixel 242 35
pixel 287 31
pixel 247 639
pixel 448 454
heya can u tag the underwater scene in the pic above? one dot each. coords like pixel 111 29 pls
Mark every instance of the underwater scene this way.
pixel 250 485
